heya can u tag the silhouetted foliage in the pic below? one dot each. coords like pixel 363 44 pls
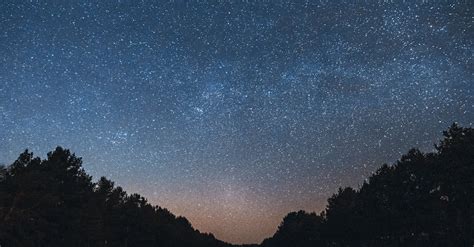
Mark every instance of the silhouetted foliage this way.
pixel 298 229
pixel 53 202
pixel 421 200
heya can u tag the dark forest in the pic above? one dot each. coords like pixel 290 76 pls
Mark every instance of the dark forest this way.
pixel 424 199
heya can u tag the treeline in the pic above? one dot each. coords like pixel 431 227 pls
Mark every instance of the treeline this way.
pixel 53 202
pixel 425 199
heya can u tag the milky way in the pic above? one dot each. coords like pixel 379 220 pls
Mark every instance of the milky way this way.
pixel 233 113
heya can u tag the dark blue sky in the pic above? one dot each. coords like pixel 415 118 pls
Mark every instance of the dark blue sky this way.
pixel 233 113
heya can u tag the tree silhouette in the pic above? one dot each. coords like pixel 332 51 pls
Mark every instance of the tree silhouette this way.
pixel 53 202
pixel 421 200
pixel 424 199
pixel 298 229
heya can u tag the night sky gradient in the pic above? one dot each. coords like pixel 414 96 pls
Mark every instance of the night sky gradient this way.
pixel 233 113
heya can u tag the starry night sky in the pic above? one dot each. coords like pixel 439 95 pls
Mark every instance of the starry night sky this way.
pixel 233 113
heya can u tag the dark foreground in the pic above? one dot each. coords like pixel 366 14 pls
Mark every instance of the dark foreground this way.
pixel 425 199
